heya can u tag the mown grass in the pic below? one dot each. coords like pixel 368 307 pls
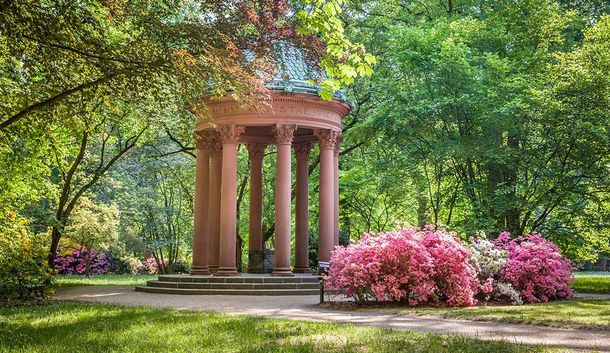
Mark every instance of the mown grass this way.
pixel 592 283
pixel 577 313
pixel 80 327
pixel 102 280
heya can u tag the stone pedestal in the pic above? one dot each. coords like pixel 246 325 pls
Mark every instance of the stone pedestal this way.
pixel 261 261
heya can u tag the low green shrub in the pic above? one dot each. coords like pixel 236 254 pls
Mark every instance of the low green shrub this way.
pixel 24 274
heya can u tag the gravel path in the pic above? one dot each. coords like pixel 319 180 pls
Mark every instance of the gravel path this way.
pixel 592 296
pixel 307 308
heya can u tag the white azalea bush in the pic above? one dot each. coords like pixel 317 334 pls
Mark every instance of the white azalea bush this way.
pixel 488 261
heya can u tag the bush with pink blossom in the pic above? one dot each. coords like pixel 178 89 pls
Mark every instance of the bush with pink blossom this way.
pixel 536 268
pixel 455 279
pixel 75 263
pixel 149 267
pixel 407 265
pixel 417 266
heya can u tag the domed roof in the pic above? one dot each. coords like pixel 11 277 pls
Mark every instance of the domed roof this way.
pixel 294 71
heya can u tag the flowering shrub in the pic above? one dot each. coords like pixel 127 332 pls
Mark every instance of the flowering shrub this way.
pixel 417 266
pixel 488 261
pixel 455 279
pixel 149 266
pixel 24 274
pixel 536 268
pixel 76 263
pixel 407 265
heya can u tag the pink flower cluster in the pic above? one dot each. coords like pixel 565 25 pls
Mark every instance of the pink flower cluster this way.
pixel 416 266
pixel 75 263
pixel 535 268
pixel 407 265
pixel 149 266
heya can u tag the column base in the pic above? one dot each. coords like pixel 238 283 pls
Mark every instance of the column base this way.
pixel 282 272
pixel 301 270
pixel 200 271
pixel 213 269
pixel 226 271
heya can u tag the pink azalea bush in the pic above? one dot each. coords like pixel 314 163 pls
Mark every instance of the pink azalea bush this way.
pixel 76 263
pixel 417 266
pixel 536 268
pixel 149 266
pixel 455 279
pixel 406 265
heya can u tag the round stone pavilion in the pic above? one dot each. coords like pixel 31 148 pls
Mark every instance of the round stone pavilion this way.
pixel 294 119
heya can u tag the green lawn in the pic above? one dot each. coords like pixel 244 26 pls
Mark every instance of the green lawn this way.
pixel 102 280
pixel 580 313
pixel 592 283
pixel 72 327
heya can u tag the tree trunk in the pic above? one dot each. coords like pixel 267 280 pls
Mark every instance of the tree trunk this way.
pixel 510 180
pixel 88 263
pixel 55 237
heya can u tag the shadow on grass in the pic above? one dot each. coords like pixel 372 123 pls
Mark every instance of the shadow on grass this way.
pixel 105 328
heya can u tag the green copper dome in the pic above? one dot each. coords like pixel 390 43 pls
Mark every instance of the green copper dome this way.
pixel 294 71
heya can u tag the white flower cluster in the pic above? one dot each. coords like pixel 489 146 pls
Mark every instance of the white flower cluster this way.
pixel 505 290
pixel 487 259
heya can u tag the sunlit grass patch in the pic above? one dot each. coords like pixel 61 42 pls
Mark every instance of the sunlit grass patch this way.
pixel 102 280
pixel 80 327
pixel 578 313
pixel 592 284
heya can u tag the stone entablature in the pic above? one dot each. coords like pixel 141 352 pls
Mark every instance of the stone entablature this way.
pixel 305 110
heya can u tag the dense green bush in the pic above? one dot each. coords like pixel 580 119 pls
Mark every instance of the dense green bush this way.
pixel 24 274
pixel 182 267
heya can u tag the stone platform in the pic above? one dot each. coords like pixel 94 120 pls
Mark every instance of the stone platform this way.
pixel 244 284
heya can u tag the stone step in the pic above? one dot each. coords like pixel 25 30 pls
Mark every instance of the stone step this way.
pixel 274 292
pixel 252 286
pixel 238 279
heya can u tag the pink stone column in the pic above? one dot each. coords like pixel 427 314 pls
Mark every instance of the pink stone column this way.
pixel 336 188
pixel 214 202
pixel 200 208
pixel 228 199
pixel 255 226
pixel 301 238
pixel 328 143
pixel 283 137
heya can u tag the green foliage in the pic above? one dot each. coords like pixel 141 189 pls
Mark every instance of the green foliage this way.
pixel 87 82
pixel 496 115
pixel 94 225
pixel 344 60
pixel 24 275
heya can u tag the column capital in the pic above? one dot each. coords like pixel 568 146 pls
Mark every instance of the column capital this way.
pixel 230 133
pixel 204 140
pixel 284 133
pixel 212 142
pixel 328 138
pixel 337 147
pixel 256 150
pixel 302 150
